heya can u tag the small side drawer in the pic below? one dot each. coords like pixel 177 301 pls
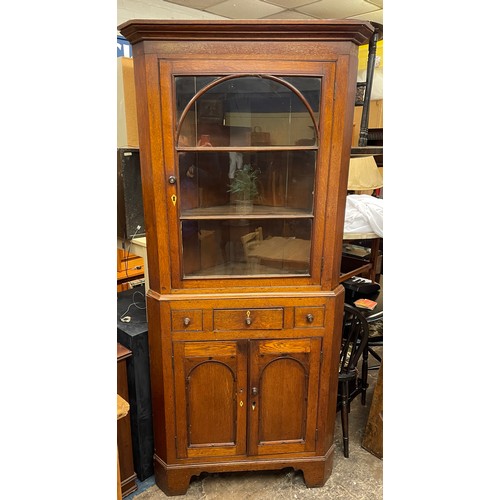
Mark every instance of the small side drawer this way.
pixel 248 319
pixel 187 320
pixel 309 317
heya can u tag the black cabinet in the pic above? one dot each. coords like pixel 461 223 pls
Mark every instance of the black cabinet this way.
pixel 134 336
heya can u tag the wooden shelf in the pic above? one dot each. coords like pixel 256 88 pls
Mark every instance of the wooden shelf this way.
pixel 258 212
pixel 366 151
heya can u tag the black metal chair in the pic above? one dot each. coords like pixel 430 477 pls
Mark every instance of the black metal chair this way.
pixel 375 341
pixel 354 343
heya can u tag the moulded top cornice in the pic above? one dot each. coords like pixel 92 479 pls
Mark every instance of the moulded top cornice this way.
pixel 352 30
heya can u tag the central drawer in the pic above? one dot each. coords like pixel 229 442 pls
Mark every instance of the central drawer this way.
pixel 248 319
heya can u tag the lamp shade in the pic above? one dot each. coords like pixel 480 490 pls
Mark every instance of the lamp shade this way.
pixel 364 174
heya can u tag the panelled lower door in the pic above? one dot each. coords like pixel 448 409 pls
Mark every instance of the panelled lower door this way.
pixel 283 395
pixel 210 394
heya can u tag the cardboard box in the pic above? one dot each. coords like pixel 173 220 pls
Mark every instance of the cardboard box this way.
pixel 128 135
pixel 375 118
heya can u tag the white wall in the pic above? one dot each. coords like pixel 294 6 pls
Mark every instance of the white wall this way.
pixel 157 9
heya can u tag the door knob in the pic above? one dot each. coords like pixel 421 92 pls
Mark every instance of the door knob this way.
pixel 255 391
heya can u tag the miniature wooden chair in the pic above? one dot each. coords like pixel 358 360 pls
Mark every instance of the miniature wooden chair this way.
pixel 249 240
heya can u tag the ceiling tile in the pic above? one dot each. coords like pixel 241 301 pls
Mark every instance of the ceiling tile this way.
pixel 290 4
pixel 289 14
pixel 337 9
pixel 376 16
pixel 244 9
pixel 195 4
pixel 256 9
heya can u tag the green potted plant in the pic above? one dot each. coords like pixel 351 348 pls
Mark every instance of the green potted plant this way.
pixel 245 188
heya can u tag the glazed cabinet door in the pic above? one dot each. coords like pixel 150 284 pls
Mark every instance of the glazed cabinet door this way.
pixel 243 190
pixel 283 395
pixel 210 398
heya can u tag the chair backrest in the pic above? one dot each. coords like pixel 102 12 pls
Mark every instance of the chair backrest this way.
pixel 250 239
pixel 354 338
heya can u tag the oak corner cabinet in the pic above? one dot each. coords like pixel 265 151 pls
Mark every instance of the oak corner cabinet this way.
pixel 245 135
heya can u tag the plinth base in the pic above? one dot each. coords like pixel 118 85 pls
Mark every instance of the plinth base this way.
pixel 174 479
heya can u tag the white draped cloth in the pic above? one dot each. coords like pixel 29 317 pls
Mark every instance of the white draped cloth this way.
pixel 364 214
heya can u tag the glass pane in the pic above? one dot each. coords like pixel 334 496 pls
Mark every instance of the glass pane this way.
pixel 284 180
pixel 246 247
pixel 186 88
pixel 248 111
pixel 309 87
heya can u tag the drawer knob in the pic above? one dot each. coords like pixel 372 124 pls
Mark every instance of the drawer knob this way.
pixel 310 318
pixel 248 320
pixel 187 321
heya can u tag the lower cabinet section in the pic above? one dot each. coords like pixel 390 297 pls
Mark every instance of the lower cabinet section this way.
pixel 243 384
pixel 215 399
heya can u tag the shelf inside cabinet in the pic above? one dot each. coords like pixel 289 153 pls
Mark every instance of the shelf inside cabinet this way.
pixel 243 149
pixel 258 212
